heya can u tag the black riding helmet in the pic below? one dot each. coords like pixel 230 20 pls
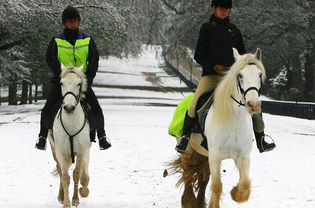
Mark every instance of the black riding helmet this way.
pixel 222 3
pixel 70 13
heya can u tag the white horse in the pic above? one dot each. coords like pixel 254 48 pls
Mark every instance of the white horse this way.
pixel 69 136
pixel 229 132
pixel 229 127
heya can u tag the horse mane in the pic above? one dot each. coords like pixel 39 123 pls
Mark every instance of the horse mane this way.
pixel 78 71
pixel 223 103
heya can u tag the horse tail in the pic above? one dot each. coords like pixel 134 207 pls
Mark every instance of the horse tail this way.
pixel 194 169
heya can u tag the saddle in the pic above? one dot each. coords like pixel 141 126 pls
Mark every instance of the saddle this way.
pixel 203 105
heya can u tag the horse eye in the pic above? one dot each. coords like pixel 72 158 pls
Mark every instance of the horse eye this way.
pixel 240 76
pixel 60 83
pixel 79 84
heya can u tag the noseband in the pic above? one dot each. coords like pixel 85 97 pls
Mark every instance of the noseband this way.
pixel 77 97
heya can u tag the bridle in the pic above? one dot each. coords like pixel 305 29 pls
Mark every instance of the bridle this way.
pixel 77 98
pixel 244 92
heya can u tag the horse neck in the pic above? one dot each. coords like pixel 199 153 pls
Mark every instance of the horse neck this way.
pixel 224 106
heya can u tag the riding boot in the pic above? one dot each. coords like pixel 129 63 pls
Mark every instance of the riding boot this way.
pixel 262 145
pixel 102 140
pixel 184 139
pixel 92 135
pixel 41 141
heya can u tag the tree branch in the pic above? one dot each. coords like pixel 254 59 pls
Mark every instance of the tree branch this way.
pixel 173 8
pixel 10 45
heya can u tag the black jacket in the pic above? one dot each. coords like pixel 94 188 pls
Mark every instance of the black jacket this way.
pixel 215 42
pixel 52 56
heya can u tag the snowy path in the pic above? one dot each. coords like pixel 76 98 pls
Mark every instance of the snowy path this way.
pixel 130 173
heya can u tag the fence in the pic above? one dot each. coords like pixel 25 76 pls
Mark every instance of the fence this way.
pixel 190 73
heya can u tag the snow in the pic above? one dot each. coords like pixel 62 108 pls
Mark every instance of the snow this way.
pixel 130 173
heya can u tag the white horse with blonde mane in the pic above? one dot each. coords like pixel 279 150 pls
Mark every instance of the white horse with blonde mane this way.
pixel 229 132
pixel 69 137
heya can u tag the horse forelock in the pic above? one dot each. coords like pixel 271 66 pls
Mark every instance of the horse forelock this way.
pixel 223 103
pixel 79 73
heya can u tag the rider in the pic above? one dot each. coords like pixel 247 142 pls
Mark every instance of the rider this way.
pixel 214 53
pixel 72 47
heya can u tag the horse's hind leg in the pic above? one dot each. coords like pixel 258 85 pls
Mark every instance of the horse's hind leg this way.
pixel 76 177
pixel 241 192
pixel 203 182
pixel 85 178
pixel 216 184
pixel 188 197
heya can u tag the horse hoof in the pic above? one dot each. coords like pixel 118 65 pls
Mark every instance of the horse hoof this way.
pixel 84 192
pixel 75 202
pixel 240 196
pixel 60 200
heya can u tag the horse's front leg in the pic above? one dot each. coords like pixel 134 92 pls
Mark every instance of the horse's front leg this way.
pixel 85 178
pixel 61 194
pixel 65 180
pixel 216 184
pixel 241 192
pixel 76 177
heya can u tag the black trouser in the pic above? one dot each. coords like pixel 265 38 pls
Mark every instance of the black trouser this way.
pixel 96 109
pixel 53 101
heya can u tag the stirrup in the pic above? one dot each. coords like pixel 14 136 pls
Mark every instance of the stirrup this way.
pixel 271 145
pixel 181 147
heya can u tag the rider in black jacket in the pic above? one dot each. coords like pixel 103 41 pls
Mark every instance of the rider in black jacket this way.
pixel 71 19
pixel 214 53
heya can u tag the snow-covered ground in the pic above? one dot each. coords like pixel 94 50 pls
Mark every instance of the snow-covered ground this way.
pixel 130 173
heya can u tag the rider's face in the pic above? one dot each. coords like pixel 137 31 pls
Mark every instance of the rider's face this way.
pixel 221 12
pixel 72 24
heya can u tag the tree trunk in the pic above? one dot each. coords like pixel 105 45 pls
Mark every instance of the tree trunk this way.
pixel 24 92
pixel 30 97
pixel 12 94
pixel 0 94
pixel 36 93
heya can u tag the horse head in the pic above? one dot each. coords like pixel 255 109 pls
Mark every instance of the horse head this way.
pixel 73 85
pixel 251 75
pixel 241 85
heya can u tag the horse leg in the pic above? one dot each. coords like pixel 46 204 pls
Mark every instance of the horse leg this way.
pixel 216 184
pixel 202 183
pixel 241 192
pixel 65 179
pixel 188 197
pixel 85 178
pixel 76 177
pixel 61 194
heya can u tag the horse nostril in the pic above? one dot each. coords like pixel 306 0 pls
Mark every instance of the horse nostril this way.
pixel 249 104
pixel 69 109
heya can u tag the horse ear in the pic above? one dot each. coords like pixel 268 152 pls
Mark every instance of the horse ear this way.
pixel 63 68
pixel 258 54
pixel 81 68
pixel 236 54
